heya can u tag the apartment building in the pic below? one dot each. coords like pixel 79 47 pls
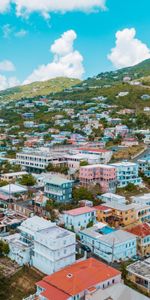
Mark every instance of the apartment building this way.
pixel 37 160
pixel 103 175
pixel 103 154
pixel 43 245
pixel 58 189
pixel 127 172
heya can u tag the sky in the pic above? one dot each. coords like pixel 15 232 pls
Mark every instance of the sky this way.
pixel 43 39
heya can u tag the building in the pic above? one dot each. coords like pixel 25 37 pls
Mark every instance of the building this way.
pixel 43 245
pixel 139 274
pixel 79 218
pixel 127 172
pixel 129 142
pixel 113 197
pixel 38 160
pixel 122 214
pixel 12 176
pixel 103 154
pixel 58 189
pixel 144 166
pixel 103 175
pixel 103 213
pixel 109 244
pixel 119 291
pixel 75 281
pixel 142 231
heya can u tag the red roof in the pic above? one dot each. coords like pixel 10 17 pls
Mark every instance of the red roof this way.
pixel 80 276
pixel 94 150
pixel 141 230
pixel 50 292
pixel 102 207
pixel 80 211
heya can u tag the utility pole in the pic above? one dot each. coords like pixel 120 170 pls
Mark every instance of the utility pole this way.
pixel 113 248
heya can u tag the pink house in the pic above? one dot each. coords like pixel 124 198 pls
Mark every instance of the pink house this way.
pixel 104 175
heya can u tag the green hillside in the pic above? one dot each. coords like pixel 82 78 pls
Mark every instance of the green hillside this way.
pixel 38 89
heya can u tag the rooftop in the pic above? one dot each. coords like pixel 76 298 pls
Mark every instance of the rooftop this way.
pixel 141 268
pixel 94 150
pixel 13 189
pixel 80 211
pixel 98 166
pixel 141 230
pixel 57 180
pixel 102 208
pixel 80 276
pixel 118 291
pixel 117 237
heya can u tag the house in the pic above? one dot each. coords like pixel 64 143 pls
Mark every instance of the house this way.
pixel 113 197
pixel 121 130
pixel 142 231
pixel 139 274
pixel 11 190
pixel 129 142
pixel 119 291
pixel 79 218
pixel 104 175
pixel 43 245
pixel 103 213
pixel 108 243
pixel 127 172
pixel 75 281
pixel 122 214
pixel 12 176
pixel 58 189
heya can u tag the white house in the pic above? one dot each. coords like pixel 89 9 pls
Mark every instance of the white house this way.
pixel 79 218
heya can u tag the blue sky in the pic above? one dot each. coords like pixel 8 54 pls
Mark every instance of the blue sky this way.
pixel 26 40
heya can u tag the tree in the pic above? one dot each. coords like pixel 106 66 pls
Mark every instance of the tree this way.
pixel 27 180
pixel 81 193
pixel 83 163
pixel 4 248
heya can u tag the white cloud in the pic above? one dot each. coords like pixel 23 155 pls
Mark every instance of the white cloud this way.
pixel 4 5
pixel 129 50
pixel 21 33
pixel 66 61
pixel 45 7
pixel 7 30
pixel 7 66
pixel 6 83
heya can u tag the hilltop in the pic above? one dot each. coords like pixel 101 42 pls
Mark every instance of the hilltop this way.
pixel 36 89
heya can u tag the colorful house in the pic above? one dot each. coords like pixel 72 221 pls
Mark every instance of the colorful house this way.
pixel 79 218
pixel 142 231
pixel 103 175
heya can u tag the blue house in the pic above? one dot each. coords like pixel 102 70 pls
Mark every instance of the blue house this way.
pixel 127 172
pixel 59 189
pixel 109 244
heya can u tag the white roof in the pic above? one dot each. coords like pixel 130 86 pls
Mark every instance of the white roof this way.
pixel 118 291
pixel 124 164
pixel 35 224
pixel 98 166
pixel 113 196
pixel 117 237
pixel 13 189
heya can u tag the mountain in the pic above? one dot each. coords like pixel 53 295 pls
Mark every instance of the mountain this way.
pixel 36 89
pixel 115 77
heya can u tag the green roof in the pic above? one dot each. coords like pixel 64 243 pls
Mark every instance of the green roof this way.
pixel 57 180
